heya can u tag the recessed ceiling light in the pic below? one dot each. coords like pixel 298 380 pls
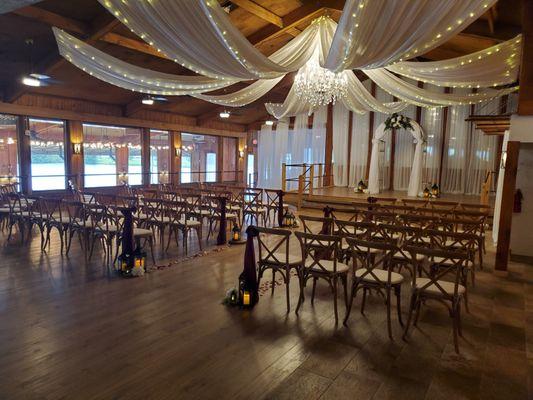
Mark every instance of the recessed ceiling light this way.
pixel 30 81
pixel 148 101
pixel 224 114
pixel 269 123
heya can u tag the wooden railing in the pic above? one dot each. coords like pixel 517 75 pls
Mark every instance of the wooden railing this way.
pixel 311 176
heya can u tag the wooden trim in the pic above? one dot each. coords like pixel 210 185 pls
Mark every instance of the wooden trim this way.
pixel 506 209
pixel 443 140
pixel 370 131
pixel 259 11
pixel 349 150
pixel 43 112
pixel 24 154
pixel 145 156
pixel 220 159
pixel 328 156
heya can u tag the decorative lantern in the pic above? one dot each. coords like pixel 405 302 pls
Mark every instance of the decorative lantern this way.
pixel 435 191
pixel 426 193
pixel 245 296
pixel 289 219
pixel 236 236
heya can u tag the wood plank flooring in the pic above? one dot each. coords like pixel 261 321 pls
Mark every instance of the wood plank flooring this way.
pixel 70 330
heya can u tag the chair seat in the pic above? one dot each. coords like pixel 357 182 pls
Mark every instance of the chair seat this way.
pixel 447 286
pixel 328 266
pixel 405 256
pixel 234 208
pixel 139 232
pixel 345 246
pixel 381 274
pixel 189 222
pixel 256 210
pixel 281 258
pixel 109 228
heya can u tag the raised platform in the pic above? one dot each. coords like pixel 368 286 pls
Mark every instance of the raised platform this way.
pixel 344 196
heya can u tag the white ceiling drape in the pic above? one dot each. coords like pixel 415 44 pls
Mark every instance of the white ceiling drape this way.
pixel 424 98
pixel 128 76
pixel 198 35
pixel 377 33
pixel 497 65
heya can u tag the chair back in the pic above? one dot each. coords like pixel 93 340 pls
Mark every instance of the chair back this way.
pixel 309 220
pixel 315 248
pixel 353 229
pixel 435 265
pixel 274 248
pixel 369 256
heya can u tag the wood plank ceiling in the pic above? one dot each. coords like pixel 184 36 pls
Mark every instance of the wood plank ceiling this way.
pixel 268 24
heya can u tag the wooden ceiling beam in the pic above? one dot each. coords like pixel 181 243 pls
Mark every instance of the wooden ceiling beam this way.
pixel 53 19
pixel 259 11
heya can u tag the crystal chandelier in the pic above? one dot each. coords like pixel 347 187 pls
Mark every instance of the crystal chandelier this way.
pixel 319 86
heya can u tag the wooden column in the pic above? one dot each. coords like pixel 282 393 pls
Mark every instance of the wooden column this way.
pixel 328 158
pixel 370 131
pixel 506 210
pixel 175 157
pixel 525 107
pixel 220 158
pixel 242 162
pixel 24 155
pixel 74 162
pixel 145 156
pixel 349 150
pixel 443 140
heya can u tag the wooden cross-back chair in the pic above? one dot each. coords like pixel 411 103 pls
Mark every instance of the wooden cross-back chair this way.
pixel 419 221
pixel 373 270
pixel 312 224
pixel 474 226
pixel 274 254
pixel 417 203
pixel 352 229
pixel 252 206
pixel 359 208
pixel 316 267
pixel 428 284
pixel 55 216
pixel 79 224
pixel 272 203
pixel 215 216
pixel 181 220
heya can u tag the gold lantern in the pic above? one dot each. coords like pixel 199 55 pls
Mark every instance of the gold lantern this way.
pixel 426 193
pixel 435 191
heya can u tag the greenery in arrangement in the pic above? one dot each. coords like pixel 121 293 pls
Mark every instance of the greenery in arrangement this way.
pixel 397 121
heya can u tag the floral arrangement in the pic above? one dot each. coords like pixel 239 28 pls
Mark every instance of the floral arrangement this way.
pixel 397 121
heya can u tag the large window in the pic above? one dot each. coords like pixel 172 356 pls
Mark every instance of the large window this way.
pixel 9 167
pixel 159 156
pixel 47 154
pixel 250 176
pixel 112 155
pixel 198 158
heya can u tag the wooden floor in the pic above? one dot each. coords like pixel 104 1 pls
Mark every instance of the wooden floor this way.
pixel 73 331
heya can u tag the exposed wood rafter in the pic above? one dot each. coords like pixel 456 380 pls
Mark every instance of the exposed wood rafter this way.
pixel 259 11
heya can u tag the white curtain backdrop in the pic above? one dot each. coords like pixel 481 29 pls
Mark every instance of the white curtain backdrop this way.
pixel 404 153
pixel 385 154
pixel 265 148
pixel 377 33
pixel 496 65
pixel 431 121
pixel 456 148
pixel 481 157
pixel 317 137
pixel 340 144
pixel 359 150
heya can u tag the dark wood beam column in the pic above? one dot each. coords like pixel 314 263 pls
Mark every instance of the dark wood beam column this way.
pixel 328 157
pixel 145 156
pixel 370 131
pixel 443 140
pixel 24 153
pixel 349 150
pixel 74 162
pixel 525 107
pixel 175 157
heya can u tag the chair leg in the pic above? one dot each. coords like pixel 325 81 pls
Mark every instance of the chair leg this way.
pixel 459 324
pixel 388 304
pixel 313 291
pixel 455 333
pixel 412 305
pixel 417 313
pixel 287 280
pixel 364 301
pixel 151 243
pixel 334 288
pixel 301 297
pixel 345 285
pixel 273 281
pixel 350 303
pixel 398 292
pixel 199 236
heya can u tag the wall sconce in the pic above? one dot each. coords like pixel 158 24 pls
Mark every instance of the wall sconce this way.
pixel 241 153
pixel 76 148
pixel 177 151
pixel 503 160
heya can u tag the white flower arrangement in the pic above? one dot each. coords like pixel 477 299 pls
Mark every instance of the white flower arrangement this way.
pixel 397 121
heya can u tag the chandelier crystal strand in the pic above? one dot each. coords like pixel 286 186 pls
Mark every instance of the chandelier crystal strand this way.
pixel 318 86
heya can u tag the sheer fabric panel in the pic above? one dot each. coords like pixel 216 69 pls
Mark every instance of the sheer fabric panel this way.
pixel 404 153
pixel 340 144
pixel 431 121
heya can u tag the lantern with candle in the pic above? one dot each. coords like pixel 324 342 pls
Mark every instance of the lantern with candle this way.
pixel 289 220
pixel 435 191
pixel 426 193
pixel 236 235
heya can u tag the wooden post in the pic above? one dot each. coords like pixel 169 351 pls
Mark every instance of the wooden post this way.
pixel 506 209
pixel 328 157
pixel 24 154
pixel 242 162
pixel 349 150
pixel 74 162
pixel 220 159
pixel 392 158
pixel 301 184
pixel 370 132
pixel 284 177
pixel 320 175
pixel 175 157
pixel 145 156
pixel 311 178
pixel 443 141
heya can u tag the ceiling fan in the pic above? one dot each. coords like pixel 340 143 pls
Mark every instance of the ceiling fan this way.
pixel 35 79
pixel 150 100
